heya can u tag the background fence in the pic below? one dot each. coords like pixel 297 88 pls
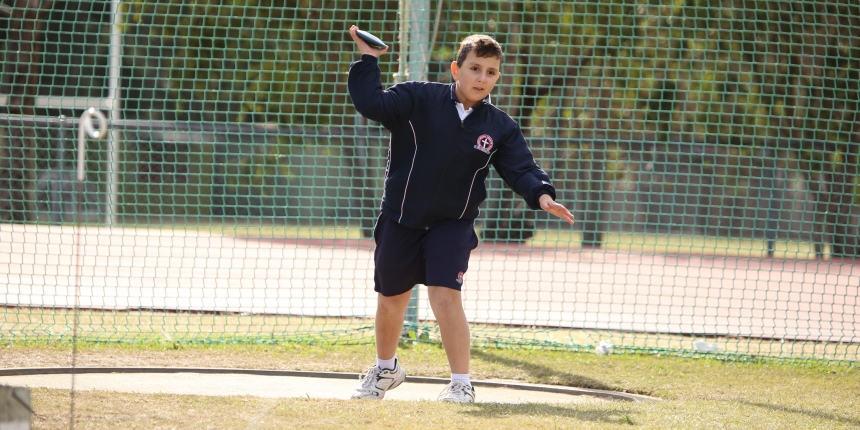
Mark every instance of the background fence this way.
pixel 709 150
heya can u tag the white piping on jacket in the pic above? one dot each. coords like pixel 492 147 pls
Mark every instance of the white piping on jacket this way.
pixel 469 197
pixel 387 169
pixel 403 202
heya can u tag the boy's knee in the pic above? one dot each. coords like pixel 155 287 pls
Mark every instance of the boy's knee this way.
pixel 393 304
pixel 443 296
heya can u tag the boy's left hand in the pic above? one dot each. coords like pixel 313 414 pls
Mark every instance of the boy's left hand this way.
pixel 549 205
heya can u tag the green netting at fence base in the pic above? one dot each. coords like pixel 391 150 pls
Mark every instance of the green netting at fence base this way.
pixel 709 151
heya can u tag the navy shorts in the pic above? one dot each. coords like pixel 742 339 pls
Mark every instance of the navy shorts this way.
pixel 438 256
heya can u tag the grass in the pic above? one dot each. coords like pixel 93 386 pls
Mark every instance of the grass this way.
pixel 682 244
pixel 45 324
pixel 695 392
pixel 698 391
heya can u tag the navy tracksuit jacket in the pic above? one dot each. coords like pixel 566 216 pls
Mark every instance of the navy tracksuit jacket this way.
pixel 437 163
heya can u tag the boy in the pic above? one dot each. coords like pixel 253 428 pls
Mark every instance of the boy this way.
pixel 444 137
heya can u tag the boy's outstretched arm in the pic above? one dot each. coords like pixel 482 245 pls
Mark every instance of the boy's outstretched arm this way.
pixel 549 205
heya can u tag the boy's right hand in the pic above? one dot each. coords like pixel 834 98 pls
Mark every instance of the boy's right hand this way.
pixel 363 46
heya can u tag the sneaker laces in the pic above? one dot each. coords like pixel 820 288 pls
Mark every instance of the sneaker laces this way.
pixel 457 388
pixel 368 378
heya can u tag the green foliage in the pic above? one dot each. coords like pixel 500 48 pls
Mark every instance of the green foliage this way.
pixel 732 72
pixel 738 71
pixel 257 173
pixel 249 61
pixel 702 69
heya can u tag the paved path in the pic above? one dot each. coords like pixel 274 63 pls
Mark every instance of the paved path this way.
pixel 259 383
pixel 127 268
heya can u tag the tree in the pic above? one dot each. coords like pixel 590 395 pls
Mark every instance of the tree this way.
pixel 259 61
pixel 591 82
pixel 736 72
pixel 243 61
pixel 21 70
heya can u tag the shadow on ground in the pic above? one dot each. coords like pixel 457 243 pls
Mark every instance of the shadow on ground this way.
pixel 854 422
pixel 617 415
pixel 545 374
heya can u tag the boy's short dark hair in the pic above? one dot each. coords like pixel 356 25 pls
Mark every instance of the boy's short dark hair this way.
pixel 483 45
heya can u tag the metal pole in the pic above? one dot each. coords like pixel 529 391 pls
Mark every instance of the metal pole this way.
pixel 85 127
pixel 114 96
pixel 419 39
pixel 402 41
pixel 415 25
pixel 57 188
pixel 770 183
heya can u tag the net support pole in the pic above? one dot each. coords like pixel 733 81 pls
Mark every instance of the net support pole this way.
pixel 415 28
pixel 115 62
pixel 770 177
pixel 419 39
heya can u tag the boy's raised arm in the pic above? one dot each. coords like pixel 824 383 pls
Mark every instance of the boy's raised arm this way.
pixel 387 107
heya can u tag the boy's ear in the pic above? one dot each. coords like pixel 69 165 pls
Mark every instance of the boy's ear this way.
pixel 455 71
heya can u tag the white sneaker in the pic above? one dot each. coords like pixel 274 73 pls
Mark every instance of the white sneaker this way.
pixel 375 382
pixel 457 392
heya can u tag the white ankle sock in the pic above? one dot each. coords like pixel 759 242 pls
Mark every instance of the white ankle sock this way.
pixel 462 377
pixel 386 364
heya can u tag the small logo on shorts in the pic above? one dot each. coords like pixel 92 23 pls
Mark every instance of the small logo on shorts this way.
pixel 485 144
pixel 460 278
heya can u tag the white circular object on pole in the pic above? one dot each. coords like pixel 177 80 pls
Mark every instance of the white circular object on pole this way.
pixel 85 128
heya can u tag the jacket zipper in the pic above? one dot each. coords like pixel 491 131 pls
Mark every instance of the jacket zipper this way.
pixel 444 171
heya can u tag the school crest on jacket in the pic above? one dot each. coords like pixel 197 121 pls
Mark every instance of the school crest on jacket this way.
pixel 485 143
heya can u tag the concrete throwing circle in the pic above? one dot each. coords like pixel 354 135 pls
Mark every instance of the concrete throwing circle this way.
pixel 285 383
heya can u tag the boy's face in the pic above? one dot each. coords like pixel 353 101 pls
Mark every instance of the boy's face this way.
pixel 476 78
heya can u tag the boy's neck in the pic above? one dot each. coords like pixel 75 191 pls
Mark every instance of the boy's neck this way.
pixel 465 107
pixel 465 104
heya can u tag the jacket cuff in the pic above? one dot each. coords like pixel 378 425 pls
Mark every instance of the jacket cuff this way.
pixel 370 58
pixel 539 191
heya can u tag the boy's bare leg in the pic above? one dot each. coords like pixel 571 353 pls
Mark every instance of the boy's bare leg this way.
pixel 447 305
pixel 389 323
